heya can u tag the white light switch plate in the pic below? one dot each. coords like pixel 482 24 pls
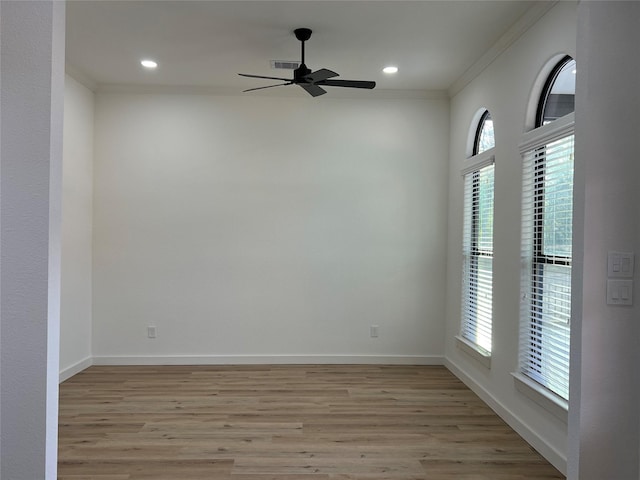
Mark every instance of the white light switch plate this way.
pixel 620 264
pixel 619 292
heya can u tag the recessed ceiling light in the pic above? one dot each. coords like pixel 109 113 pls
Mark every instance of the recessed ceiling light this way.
pixel 390 69
pixel 148 63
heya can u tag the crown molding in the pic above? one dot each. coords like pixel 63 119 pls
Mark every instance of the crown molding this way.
pixel 524 23
pixel 277 93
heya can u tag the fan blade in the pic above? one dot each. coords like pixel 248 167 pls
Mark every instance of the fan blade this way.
pixel 347 83
pixel 312 89
pixel 320 75
pixel 268 86
pixel 268 78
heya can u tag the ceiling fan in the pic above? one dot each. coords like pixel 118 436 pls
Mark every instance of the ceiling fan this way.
pixel 312 82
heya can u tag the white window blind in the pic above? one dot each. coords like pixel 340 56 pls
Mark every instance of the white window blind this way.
pixel 477 250
pixel 547 218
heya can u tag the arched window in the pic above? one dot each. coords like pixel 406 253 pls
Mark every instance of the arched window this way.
pixel 547 220
pixel 558 94
pixel 477 246
pixel 484 139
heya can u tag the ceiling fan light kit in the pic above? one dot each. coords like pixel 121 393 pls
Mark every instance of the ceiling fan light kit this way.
pixel 311 82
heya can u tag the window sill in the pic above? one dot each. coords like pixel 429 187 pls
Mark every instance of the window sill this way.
pixel 554 404
pixel 477 353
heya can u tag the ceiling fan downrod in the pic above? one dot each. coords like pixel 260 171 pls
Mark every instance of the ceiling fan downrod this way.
pixel 302 34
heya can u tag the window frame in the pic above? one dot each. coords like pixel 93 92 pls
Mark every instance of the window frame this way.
pixel 480 128
pixel 473 166
pixel 540 295
pixel 537 140
pixel 534 149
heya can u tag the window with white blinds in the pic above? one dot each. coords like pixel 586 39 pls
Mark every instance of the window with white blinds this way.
pixel 477 250
pixel 547 218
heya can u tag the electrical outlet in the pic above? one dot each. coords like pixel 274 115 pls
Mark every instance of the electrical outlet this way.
pixel 373 331
pixel 151 331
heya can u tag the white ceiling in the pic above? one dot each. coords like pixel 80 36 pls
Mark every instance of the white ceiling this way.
pixel 204 44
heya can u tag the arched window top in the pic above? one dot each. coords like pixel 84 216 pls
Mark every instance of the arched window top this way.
pixel 558 94
pixel 484 139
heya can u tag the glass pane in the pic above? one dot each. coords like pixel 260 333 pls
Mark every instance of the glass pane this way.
pixel 560 99
pixel 485 140
pixel 485 210
pixel 558 198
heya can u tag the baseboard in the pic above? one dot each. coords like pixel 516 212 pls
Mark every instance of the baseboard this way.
pixel 269 359
pixel 556 458
pixel 69 372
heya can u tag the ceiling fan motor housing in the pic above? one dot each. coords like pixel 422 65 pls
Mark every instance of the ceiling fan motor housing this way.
pixel 300 72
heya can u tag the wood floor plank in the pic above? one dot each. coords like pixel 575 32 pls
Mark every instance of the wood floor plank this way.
pixel 285 422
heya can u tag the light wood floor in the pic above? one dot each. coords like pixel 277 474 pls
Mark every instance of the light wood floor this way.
pixel 284 423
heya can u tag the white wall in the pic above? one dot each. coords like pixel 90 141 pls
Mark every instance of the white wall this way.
pixel 250 228
pixel 77 218
pixel 605 406
pixel 31 117
pixel 504 88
